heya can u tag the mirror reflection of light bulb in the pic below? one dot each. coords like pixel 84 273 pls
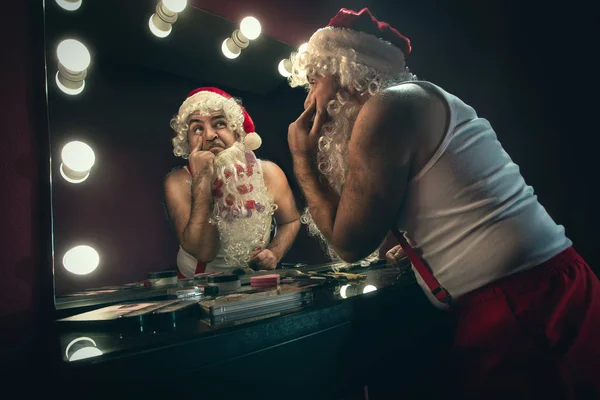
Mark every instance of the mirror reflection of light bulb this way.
pixel 73 55
pixel 369 288
pixel 69 5
pixel 81 260
pixel 175 6
pixel 303 48
pixel 285 68
pixel 250 27
pixel 225 48
pixel 158 27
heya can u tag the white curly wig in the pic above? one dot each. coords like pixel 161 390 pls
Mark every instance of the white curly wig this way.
pixel 361 64
pixel 205 103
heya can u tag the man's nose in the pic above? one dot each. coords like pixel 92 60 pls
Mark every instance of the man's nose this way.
pixel 210 134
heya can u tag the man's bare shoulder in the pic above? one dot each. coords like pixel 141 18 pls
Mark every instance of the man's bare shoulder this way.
pixel 273 174
pixel 408 107
pixel 404 98
pixel 177 177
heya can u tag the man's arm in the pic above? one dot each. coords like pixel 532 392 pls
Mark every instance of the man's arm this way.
pixel 380 155
pixel 286 215
pixel 189 208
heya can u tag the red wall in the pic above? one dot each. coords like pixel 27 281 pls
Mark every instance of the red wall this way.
pixel 21 261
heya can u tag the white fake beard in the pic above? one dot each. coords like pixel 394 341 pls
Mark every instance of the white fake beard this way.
pixel 332 163
pixel 243 208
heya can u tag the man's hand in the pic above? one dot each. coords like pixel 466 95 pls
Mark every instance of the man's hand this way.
pixel 202 163
pixel 394 255
pixel 302 138
pixel 262 259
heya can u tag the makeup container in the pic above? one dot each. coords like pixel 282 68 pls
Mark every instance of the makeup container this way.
pixel 225 283
pixel 162 278
pixel 265 280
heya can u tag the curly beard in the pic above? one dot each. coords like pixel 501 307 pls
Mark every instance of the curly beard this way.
pixel 332 159
pixel 243 208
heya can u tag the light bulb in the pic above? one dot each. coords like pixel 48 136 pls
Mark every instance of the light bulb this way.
pixel 77 161
pixel 158 27
pixel 343 291
pixel 69 5
pixel 285 67
pixel 175 6
pixel 85 347
pixel 86 352
pixel 303 48
pixel 78 156
pixel 81 260
pixel 369 288
pixel 226 49
pixel 77 87
pixel 73 55
pixel 250 27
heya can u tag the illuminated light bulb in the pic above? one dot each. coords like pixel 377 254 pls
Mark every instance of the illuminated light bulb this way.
pixel 285 68
pixel 84 347
pixel 73 60
pixel 165 15
pixel 86 352
pixel 343 291
pixel 158 27
pixel 369 288
pixel 78 159
pixel 81 260
pixel 303 48
pixel 175 6
pixel 69 5
pixel 250 27
pixel 69 87
pixel 73 55
pixel 230 49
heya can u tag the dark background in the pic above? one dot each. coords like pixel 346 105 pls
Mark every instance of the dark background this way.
pixel 528 67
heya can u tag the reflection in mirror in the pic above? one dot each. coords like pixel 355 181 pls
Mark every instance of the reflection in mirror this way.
pixel 113 88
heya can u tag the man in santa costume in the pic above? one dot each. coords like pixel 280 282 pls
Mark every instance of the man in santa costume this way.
pixel 223 203
pixel 378 151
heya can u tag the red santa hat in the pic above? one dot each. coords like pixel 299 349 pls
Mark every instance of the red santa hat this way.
pixel 251 139
pixel 375 43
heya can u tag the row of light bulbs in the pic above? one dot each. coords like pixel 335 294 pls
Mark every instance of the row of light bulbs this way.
pixel 77 158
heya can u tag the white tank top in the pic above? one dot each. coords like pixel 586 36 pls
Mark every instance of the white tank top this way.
pixel 469 213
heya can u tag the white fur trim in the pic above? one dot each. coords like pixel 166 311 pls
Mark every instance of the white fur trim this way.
pixel 202 97
pixel 369 49
pixel 252 141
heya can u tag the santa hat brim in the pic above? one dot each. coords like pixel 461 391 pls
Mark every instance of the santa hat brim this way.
pixel 251 140
pixel 369 49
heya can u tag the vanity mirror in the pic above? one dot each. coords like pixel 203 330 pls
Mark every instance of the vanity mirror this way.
pixel 117 72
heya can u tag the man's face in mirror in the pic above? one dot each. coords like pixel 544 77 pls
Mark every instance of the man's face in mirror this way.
pixel 210 132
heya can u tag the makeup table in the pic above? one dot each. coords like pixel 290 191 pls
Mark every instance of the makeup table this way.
pixel 347 338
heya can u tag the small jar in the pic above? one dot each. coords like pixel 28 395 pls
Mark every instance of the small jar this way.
pixel 225 283
pixel 162 278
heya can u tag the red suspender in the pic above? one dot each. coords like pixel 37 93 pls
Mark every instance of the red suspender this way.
pixel 434 286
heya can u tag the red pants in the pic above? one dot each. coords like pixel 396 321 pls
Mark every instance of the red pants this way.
pixel 533 335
